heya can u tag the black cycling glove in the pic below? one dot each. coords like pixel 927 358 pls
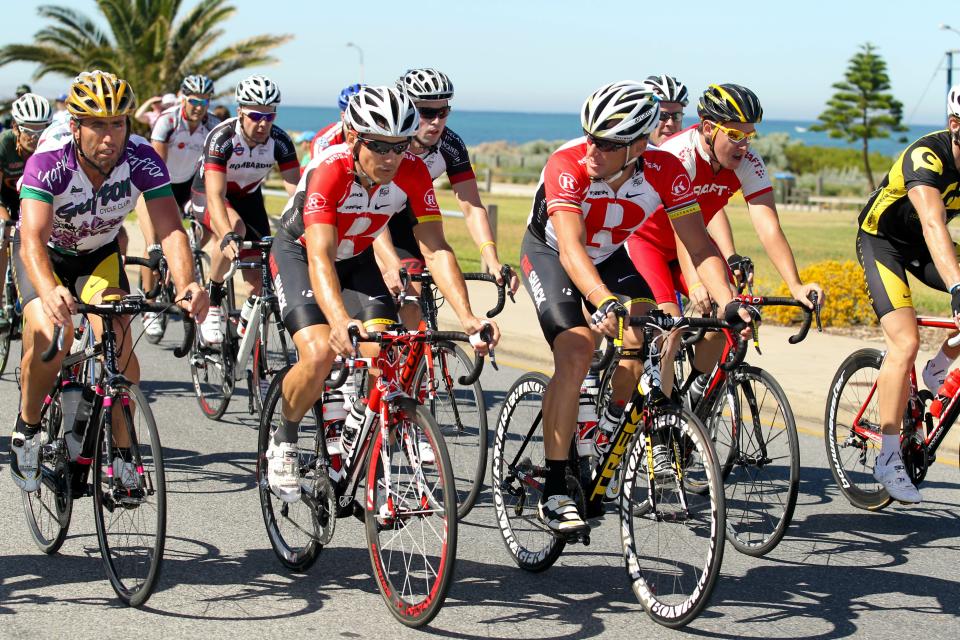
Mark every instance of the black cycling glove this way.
pixel 610 305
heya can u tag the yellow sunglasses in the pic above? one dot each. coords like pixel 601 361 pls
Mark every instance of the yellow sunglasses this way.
pixel 736 136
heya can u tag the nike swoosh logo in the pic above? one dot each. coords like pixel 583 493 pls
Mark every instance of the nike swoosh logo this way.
pixel 377 207
pixel 632 195
pixel 623 278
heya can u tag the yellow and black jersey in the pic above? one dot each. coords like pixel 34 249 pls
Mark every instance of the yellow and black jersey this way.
pixel 928 161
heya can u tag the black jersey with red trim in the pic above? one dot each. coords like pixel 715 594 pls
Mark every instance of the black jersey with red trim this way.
pixel 228 151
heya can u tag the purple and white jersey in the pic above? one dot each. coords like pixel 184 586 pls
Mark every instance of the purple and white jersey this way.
pixel 84 219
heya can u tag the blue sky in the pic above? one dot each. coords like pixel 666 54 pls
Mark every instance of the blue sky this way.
pixel 532 55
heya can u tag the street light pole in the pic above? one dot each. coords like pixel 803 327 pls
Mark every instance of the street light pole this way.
pixel 360 52
pixel 949 54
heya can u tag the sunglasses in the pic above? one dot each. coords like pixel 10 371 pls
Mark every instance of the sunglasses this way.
pixel 735 135
pixel 30 132
pixel 608 145
pixel 383 148
pixel 429 113
pixel 199 102
pixel 667 117
pixel 260 116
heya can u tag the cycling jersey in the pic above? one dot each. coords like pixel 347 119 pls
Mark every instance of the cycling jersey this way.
pixel 327 137
pixel 609 218
pixel 329 193
pixel 183 148
pixel 928 161
pixel 11 163
pixel 84 220
pixel 246 167
pixel 712 189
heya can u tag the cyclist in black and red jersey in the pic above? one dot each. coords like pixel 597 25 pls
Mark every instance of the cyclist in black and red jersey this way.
pixel 593 193
pixel 238 155
pixel 322 261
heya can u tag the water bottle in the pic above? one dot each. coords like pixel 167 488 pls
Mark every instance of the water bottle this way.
pixel 76 401
pixel 245 313
pixel 608 423
pixel 946 393
pixel 353 426
pixel 587 417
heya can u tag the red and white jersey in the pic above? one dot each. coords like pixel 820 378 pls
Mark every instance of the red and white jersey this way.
pixel 609 218
pixel 712 190
pixel 330 193
pixel 327 137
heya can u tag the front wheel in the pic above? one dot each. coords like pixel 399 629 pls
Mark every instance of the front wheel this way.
pixel 272 354
pixel 129 494
pixel 411 516
pixel 852 417
pixel 672 537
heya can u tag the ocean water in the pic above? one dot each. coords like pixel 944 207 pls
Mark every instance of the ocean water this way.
pixel 487 126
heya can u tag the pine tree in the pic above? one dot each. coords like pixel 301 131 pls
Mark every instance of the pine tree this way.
pixel 861 109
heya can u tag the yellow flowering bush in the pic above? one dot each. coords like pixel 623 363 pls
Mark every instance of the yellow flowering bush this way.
pixel 847 300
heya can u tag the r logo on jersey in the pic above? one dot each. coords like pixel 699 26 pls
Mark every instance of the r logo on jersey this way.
pixel 567 182
pixel 681 186
pixel 430 198
pixel 315 202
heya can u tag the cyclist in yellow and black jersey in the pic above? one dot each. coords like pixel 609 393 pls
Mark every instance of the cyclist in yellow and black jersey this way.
pixel 903 229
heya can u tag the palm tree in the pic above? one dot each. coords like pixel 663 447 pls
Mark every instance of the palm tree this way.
pixel 146 43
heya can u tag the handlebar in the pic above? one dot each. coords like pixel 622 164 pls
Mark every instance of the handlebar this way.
pixel 778 301
pixel 506 272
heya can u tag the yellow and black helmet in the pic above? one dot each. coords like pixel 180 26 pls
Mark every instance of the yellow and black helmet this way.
pixel 729 103
pixel 98 94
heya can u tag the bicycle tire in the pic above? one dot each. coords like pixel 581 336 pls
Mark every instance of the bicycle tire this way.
pixel 6 342
pixel 271 354
pixel 519 427
pixel 673 591
pixel 461 413
pixel 760 461
pixel 12 318
pixel 49 508
pixel 132 560
pixel 411 524
pixel 297 556
pixel 852 457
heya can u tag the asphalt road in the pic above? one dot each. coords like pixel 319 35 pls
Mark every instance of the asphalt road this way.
pixel 840 572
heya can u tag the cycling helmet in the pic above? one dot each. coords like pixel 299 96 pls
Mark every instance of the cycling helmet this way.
pixel 258 90
pixel 384 111
pixel 196 85
pixel 426 84
pixel 620 112
pixel 98 94
pixel 31 109
pixel 668 89
pixel 953 102
pixel 729 103
pixel 345 94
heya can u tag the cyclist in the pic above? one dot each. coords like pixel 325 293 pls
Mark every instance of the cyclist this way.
pixel 177 137
pixel 75 194
pixel 903 229
pixel 594 191
pixel 31 114
pixel 673 98
pixel 227 197
pixel 333 132
pixel 717 158
pixel 322 262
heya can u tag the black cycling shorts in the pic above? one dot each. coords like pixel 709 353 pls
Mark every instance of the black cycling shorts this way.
pixel 401 231
pixel 885 266
pixel 182 193
pixel 85 274
pixel 11 200
pixel 364 294
pixel 559 303
pixel 250 207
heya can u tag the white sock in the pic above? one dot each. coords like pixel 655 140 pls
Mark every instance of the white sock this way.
pixel 940 362
pixel 889 448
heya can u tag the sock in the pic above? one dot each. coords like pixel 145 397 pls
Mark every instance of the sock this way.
pixel 28 430
pixel 889 448
pixel 288 431
pixel 941 361
pixel 556 481
pixel 216 293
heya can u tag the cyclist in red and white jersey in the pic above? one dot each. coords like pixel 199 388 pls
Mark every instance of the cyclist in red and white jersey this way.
pixel 333 133
pixel 238 156
pixel 593 193
pixel 322 261
pixel 673 98
pixel 716 155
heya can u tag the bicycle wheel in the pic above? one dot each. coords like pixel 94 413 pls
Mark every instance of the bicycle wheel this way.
pixel 461 413
pixel 295 529
pixel 49 508
pixel 673 553
pixel 211 367
pixel 271 354
pixel 411 517
pixel 755 435
pixel 518 472
pixel 9 315
pixel 853 401
pixel 130 505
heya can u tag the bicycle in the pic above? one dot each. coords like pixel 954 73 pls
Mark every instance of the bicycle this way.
pixel 11 315
pixel 460 411
pixel 215 369
pixel 128 484
pixel 852 425
pixel 687 502
pixel 409 506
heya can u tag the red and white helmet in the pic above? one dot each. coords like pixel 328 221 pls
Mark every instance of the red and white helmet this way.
pixel 620 112
pixel 384 111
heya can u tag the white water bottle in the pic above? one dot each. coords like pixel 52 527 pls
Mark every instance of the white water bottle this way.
pixel 353 426
pixel 245 313
pixel 587 417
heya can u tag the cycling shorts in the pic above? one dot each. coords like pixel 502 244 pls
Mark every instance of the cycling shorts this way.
pixel 401 232
pixel 250 207
pixel 182 193
pixel 885 266
pixel 364 293
pixel 11 200
pixel 558 301
pixel 85 274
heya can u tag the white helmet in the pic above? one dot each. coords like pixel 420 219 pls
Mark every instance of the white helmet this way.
pixel 426 84
pixel 668 89
pixel 258 90
pixel 383 111
pixel 196 85
pixel 31 109
pixel 620 112
pixel 953 101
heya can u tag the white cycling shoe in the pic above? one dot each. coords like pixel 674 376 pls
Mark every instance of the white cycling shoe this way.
pixel 151 324
pixel 891 473
pixel 283 472
pixel 211 329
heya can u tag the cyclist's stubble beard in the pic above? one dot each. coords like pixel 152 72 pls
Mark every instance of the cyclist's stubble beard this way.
pixel 102 164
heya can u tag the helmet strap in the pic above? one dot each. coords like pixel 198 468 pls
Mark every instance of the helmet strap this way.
pixel 358 168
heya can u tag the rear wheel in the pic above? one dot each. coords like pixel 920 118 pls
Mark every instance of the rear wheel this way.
pixel 49 508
